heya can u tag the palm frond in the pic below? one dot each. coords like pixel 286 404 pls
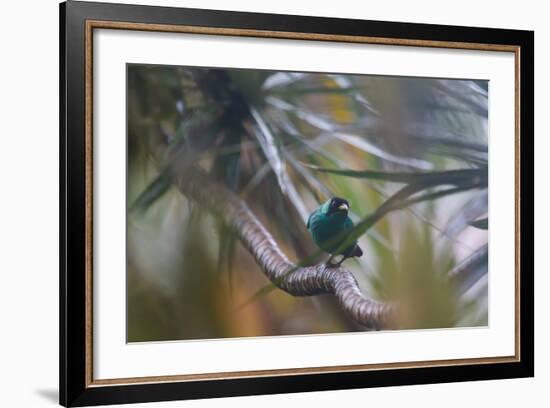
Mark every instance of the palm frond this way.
pixel 481 224
pixel 152 192
pixel 427 177
pixel 344 82
pixel 280 79
pixel 272 153
pixel 366 146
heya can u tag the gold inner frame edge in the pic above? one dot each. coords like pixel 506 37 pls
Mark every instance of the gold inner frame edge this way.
pixel 93 24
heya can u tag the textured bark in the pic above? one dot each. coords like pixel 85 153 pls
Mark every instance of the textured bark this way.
pixel 297 281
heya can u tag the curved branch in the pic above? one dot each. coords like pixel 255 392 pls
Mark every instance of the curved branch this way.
pixel 301 281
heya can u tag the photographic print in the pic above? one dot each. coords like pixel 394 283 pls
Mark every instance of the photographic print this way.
pixel 266 203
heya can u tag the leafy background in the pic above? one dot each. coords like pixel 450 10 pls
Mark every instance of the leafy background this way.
pixel 274 138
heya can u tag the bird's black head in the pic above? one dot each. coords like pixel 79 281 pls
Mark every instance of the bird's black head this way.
pixel 337 205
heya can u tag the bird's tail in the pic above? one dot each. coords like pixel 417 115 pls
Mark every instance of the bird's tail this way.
pixel 357 251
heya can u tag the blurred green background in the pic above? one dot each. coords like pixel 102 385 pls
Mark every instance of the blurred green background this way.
pixel 258 133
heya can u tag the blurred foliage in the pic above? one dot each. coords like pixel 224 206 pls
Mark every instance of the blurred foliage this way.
pixel 285 142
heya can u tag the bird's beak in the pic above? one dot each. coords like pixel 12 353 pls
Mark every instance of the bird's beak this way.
pixel 344 207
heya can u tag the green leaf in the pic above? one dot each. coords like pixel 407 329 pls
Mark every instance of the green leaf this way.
pixel 152 192
pixel 428 177
pixel 481 223
pixel 226 252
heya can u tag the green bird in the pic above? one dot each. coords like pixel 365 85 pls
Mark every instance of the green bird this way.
pixel 328 225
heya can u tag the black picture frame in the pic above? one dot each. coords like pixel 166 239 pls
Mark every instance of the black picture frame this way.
pixel 75 386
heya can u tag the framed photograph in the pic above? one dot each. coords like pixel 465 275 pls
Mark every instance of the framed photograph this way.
pixel 256 204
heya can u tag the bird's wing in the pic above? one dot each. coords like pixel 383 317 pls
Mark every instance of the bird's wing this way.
pixel 309 219
pixel 356 251
pixel 348 224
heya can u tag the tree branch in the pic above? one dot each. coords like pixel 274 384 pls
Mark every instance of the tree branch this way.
pixel 309 280
pixel 297 281
pixel 293 279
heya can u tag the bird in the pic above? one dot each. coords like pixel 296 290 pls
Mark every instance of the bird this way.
pixel 328 225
